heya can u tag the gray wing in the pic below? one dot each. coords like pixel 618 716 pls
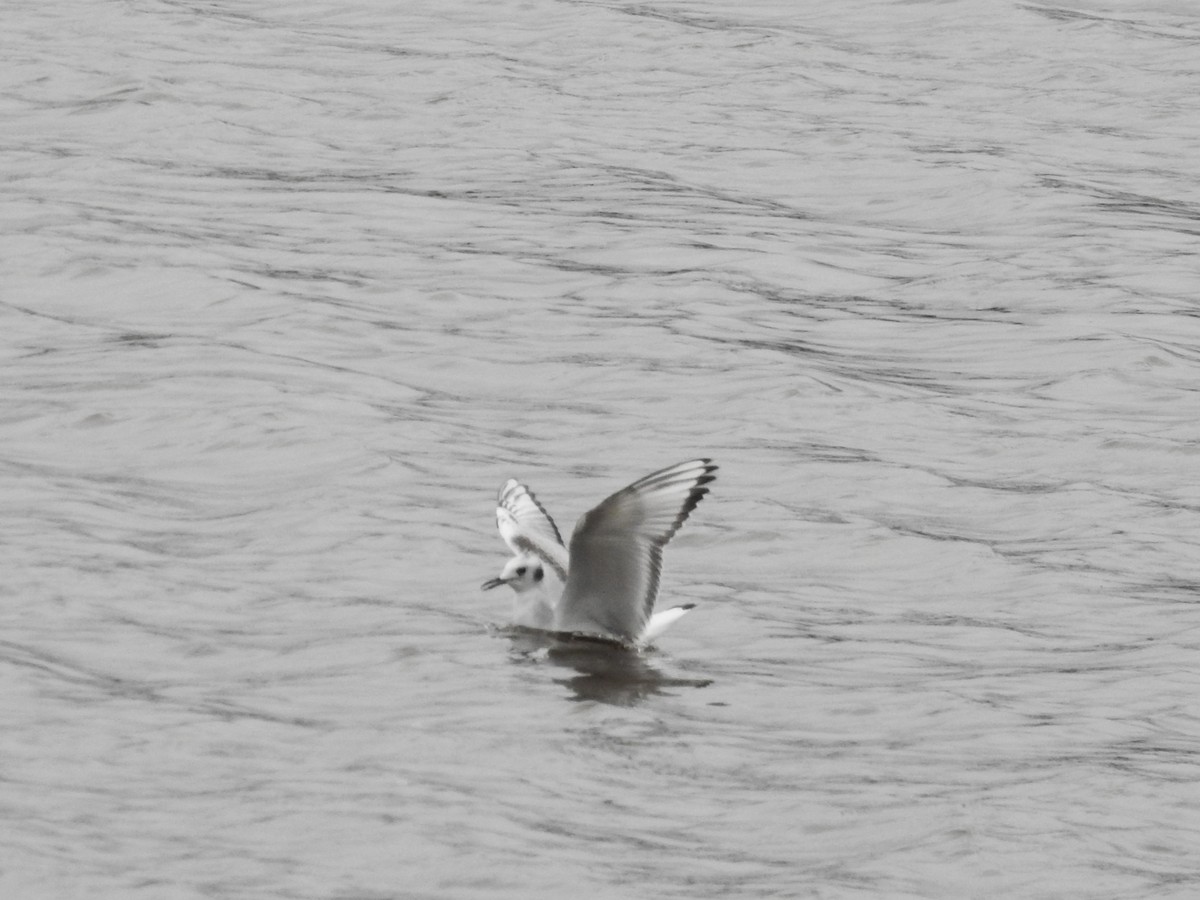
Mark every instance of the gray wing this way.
pixel 616 551
pixel 527 528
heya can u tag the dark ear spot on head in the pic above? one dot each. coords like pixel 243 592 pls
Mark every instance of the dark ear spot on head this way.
pixel 538 574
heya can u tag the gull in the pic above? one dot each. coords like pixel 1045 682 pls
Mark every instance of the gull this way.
pixel 605 585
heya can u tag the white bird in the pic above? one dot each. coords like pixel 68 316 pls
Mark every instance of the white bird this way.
pixel 606 584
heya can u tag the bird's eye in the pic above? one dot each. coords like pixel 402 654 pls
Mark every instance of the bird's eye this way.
pixel 521 570
pixel 538 574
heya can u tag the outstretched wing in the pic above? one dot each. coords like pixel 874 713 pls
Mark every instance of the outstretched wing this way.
pixel 616 551
pixel 527 528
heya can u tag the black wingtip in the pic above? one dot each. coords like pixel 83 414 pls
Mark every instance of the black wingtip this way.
pixel 709 468
pixel 697 493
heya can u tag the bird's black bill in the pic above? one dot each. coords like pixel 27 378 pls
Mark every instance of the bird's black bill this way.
pixel 491 583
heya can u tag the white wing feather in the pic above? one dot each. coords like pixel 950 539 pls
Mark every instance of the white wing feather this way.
pixel 527 528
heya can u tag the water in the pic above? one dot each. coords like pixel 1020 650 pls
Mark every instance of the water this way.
pixel 289 290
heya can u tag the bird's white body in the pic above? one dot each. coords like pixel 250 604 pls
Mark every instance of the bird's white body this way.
pixel 605 585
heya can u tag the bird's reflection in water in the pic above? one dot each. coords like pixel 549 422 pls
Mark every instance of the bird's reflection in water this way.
pixel 604 672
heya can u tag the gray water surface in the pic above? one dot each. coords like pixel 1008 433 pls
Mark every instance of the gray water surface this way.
pixel 288 290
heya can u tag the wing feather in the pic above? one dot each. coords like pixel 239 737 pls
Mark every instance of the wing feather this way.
pixel 616 551
pixel 527 528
